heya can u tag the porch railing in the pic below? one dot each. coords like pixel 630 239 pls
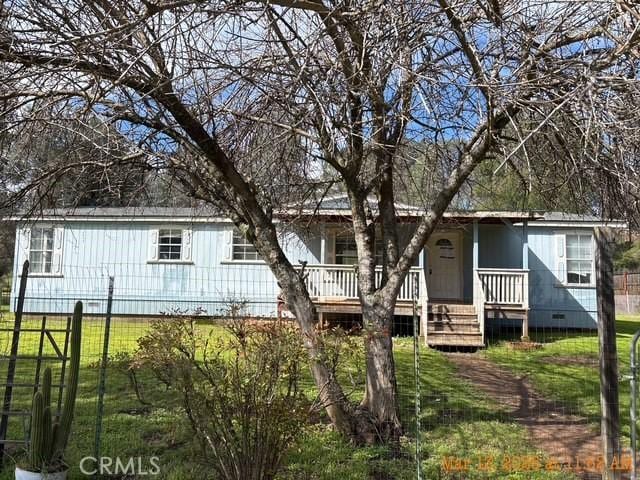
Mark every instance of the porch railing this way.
pixel 342 281
pixel 503 286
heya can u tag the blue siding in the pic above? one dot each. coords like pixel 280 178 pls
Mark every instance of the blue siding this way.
pixel 94 251
pixel 547 296
pixel 500 247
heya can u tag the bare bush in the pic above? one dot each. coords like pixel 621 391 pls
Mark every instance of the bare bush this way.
pixel 241 391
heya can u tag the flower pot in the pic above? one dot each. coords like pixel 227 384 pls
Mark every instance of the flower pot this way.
pixel 27 475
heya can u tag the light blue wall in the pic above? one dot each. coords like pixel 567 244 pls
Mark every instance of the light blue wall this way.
pixel 94 251
pixel 499 247
pixel 547 296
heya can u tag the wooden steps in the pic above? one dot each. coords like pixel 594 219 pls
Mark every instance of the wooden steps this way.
pixel 453 325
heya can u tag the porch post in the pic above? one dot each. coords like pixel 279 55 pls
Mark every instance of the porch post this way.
pixel 525 245
pixel 478 293
pixel 525 286
pixel 476 252
pixel 323 242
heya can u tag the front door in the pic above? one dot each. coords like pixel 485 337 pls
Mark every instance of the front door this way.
pixel 444 263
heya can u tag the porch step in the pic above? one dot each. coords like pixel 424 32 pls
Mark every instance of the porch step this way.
pixel 457 339
pixel 459 318
pixel 452 327
pixel 452 308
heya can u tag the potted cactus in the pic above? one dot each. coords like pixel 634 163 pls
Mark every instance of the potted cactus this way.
pixel 48 435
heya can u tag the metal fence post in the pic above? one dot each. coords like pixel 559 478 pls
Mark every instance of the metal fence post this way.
pixel 416 367
pixel 11 368
pixel 634 406
pixel 103 372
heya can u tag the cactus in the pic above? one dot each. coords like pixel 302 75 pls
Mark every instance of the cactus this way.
pixel 49 438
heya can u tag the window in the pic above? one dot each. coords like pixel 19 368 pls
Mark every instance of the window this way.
pixel 242 249
pixel 41 250
pixel 347 253
pixel 446 249
pixel 579 259
pixel 170 244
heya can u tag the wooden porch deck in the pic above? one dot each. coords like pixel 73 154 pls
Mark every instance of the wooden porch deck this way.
pixel 496 293
pixel 453 324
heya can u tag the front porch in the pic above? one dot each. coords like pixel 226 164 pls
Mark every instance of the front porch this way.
pixel 455 293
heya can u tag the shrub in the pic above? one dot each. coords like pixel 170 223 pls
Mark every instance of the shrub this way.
pixel 240 390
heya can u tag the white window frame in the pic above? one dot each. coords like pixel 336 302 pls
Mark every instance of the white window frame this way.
pixel 233 235
pixel 186 245
pixel 562 252
pixel 56 249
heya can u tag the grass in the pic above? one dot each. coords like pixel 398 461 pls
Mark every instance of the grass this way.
pixel 565 369
pixel 456 421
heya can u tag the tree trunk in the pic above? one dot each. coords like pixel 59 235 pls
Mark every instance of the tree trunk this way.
pixel 345 417
pixel 381 390
pixel 376 420
pixel 330 392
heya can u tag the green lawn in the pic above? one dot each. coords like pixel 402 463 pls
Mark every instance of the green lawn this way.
pixel 456 420
pixel 565 369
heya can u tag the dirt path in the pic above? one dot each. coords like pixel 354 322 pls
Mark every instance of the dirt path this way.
pixel 552 429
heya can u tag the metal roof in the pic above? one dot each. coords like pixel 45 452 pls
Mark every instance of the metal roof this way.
pixel 333 209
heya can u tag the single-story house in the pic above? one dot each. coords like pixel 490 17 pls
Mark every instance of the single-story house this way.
pixel 479 266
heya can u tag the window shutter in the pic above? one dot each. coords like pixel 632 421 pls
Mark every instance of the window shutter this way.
pixel 25 245
pixel 561 273
pixel 187 244
pixel 330 248
pixel 228 243
pixel 153 244
pixel 58 242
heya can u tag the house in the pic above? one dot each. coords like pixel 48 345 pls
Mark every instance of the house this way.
pixel 479 267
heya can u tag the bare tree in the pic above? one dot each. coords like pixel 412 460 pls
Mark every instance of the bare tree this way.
pixel 339 87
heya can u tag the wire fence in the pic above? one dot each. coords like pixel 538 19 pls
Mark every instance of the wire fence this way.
pixel 511 407
pixel 627 292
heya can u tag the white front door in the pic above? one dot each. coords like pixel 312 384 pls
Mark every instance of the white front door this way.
pixel 444 263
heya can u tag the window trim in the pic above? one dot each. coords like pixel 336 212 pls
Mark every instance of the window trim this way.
pixel 229 257
pixel 42 250
pixel 170 245
pixel 349 238
pixel 565 282
pixel 186 250
pixel 57 249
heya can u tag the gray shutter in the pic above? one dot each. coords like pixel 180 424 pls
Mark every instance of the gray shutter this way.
pixel 58 242
pixel 187 244
pixel 153 244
